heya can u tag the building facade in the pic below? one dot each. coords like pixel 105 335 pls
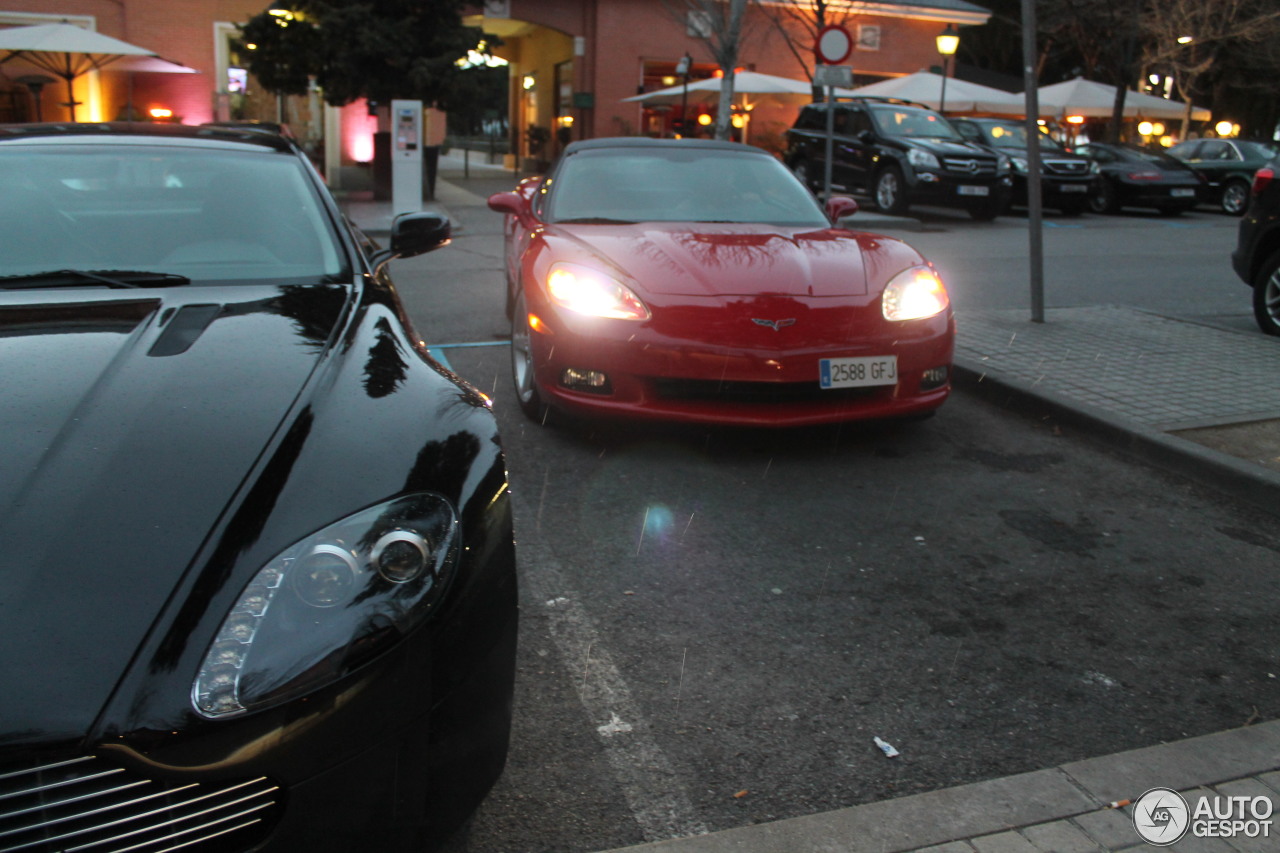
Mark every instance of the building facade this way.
pixel 572 63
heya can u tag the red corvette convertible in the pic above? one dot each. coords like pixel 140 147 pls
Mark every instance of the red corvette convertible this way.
pixel 699 281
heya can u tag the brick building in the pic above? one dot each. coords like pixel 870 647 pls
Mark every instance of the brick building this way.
pixel 572 62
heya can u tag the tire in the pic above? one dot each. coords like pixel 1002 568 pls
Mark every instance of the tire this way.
pixel 1235 198
pixel 1266 296
pixel 1103 199
pixel 890 191
pixel 528 394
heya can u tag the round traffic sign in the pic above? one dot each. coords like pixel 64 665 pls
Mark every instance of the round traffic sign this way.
pixel 834 45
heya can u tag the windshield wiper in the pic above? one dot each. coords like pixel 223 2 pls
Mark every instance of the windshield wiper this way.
pixel 117 279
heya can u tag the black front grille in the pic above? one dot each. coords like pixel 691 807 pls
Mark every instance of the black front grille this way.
pixel 711 390
pixel 1066 167
pixel 87 804
pixel 969 166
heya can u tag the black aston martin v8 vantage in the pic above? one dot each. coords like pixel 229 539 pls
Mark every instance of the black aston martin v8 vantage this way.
pixel 257 583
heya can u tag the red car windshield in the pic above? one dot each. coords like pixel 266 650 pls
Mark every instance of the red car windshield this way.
pixel 679 184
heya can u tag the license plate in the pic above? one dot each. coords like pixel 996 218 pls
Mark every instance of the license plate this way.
pixel 858 372
pixel 965 189
pixel 1182 193
pixel 1075 188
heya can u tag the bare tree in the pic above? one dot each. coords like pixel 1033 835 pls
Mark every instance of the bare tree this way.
pixel 1187 39
pixel 720 25
pixel 800 21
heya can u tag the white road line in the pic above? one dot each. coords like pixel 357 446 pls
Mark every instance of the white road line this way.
pixel 654 791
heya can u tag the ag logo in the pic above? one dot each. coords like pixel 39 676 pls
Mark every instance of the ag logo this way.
pixel 1161 816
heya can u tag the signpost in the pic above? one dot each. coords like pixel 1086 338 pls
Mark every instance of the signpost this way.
pixel 833 47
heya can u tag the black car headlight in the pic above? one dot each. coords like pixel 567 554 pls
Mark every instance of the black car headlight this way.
pixel 328 604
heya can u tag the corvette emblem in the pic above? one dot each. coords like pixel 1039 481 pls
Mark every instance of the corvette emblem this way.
pixel 774 324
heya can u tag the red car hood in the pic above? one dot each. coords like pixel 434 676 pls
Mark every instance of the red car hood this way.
pixel 693 259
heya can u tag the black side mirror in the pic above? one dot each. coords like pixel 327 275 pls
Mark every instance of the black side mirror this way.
pixel 414 234
pixel 866 137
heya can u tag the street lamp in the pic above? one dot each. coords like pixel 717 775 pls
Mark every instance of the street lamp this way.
pixel 682 70
pixel 948 40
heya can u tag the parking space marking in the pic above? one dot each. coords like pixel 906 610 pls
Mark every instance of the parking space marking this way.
pixel 653 789
pixel 436 351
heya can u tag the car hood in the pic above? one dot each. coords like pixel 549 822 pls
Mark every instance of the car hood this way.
pixel 129 425
pixel 944 148
pixel 702 259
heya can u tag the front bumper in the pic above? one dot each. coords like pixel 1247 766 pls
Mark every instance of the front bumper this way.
pixel 689 381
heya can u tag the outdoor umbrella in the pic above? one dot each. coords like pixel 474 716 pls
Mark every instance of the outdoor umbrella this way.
pixel 64 50
pixel 745 83
pixel 925 87
pixel 1081 97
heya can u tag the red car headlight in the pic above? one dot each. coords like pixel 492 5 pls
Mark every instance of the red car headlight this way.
pixel 914 294
pixel 592 293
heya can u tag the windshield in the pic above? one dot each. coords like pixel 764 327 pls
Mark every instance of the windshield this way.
pixel 679 184
pixel 1013 135
pixel 912 122
pixel 205 213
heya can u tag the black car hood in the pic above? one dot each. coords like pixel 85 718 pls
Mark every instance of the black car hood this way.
pixel 129 423
pixel 944 148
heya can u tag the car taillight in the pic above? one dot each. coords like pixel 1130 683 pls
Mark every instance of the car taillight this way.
pixel 1262 178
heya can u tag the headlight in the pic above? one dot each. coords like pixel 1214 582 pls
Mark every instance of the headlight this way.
pixel 1094 168
pixel 914 294
pixel 328 604
pixel 922 159
pixel 587 291
pixel 1019 165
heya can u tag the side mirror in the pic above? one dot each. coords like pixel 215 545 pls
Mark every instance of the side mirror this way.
pixel 414 234
pixel 866 137
pixel 838 207
pixel 513 203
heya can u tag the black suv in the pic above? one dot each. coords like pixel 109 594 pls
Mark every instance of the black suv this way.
pixel 1256 258
pixel 899 153
pixel 1065 178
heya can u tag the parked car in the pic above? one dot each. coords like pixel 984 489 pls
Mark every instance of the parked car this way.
pixel 900 154
pixel 1228 166
pixel 258 582
pixel 698 281
pixel 1066 179
pixel 1131 176
pixel 1256 258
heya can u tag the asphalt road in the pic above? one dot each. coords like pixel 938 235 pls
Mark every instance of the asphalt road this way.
pixel 717 624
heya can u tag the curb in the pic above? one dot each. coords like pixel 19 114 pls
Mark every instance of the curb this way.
pixel 1256 486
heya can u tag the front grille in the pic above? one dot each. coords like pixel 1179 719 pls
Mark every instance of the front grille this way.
pixel 87 804
pixel 1066 167
pixel 969 166
pixel 711 390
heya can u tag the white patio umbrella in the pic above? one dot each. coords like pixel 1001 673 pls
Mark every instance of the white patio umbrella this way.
pixel 745 83
pixel 65 50
pixel 925 87
pixel 1081 97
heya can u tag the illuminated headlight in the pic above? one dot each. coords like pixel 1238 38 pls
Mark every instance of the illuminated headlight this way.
pixel 914 294
pixel 592 293
pixel 922 159
pixel 328 604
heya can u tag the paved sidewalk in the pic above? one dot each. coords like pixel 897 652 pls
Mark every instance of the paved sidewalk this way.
pixel 1129 377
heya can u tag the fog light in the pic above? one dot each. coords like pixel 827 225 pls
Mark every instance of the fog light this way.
pixel 934 377
pixel 591 381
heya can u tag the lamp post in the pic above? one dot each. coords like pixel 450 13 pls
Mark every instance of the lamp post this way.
pixel 948 40
pixel 682 70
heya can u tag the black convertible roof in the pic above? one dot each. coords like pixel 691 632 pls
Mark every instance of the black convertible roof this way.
pixel 254 135
pixel 648 142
